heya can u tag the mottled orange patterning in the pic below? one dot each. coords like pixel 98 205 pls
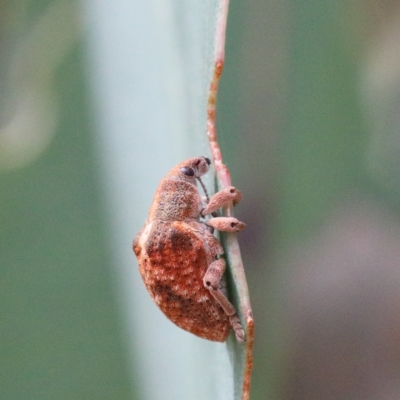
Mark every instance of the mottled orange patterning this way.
pixel 179 257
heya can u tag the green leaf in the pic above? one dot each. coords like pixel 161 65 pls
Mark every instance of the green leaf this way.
pixel 152 67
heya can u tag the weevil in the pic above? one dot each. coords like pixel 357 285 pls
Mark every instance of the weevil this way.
pixel 180 260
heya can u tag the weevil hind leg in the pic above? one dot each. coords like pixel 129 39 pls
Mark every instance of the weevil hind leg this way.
pixel 237 328
pixel 212 281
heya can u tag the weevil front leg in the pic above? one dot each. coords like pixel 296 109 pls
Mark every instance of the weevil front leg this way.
pixel 211 280
pixel 221 198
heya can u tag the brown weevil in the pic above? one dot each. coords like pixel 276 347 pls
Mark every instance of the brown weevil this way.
pixel 180 258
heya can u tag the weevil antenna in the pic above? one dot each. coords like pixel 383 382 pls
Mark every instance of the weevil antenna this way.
pixel 204 188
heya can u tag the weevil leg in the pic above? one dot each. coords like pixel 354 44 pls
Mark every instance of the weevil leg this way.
pixel 226 224
pixel 204 203
pixel 222 198
pixel 211 280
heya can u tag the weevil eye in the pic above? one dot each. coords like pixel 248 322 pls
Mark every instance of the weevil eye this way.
pixel 187 171
pixel 208 161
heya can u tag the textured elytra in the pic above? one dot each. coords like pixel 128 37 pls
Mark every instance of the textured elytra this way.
pixel 174 264
pixel 179 256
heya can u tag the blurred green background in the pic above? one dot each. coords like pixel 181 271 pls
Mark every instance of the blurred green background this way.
pixel 309 124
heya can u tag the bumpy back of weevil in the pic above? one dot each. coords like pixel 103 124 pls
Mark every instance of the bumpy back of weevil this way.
pixel 177 197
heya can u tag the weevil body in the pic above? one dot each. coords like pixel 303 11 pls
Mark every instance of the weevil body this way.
pixel 179 257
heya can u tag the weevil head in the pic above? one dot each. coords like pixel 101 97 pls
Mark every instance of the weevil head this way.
pixel 177 197
pixel 191 169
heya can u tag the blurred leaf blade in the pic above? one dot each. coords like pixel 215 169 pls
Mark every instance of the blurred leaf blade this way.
pixel 60 326
pixel 184 54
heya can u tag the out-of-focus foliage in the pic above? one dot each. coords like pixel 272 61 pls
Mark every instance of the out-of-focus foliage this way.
pixel 309 119
pixel 310 129
pixel 59 326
